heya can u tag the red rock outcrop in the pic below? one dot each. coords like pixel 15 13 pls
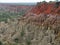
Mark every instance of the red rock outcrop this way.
pixel 47 8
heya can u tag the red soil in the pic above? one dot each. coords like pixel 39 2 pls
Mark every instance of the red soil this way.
pixel 47 8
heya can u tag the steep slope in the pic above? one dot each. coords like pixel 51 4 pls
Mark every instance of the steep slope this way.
pixel 47 8
pixel 47 17
pixel 32 29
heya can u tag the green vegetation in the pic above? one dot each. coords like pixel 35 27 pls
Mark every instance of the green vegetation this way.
pixel 16 40
pixel 22 33
pixel 28 41
pixel 1 43
pixel 8 15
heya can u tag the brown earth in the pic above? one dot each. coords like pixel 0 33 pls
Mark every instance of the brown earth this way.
pixel 33 28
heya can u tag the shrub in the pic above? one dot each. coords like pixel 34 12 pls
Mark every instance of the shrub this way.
pixel 1 43
pixel 16 40
pixel 28 41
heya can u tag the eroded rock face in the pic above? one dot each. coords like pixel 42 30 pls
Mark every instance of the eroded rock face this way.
pixel 47 8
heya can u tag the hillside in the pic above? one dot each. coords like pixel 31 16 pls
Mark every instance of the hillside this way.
pixel 47 8
pixel 38 26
